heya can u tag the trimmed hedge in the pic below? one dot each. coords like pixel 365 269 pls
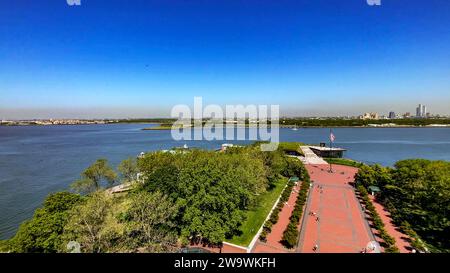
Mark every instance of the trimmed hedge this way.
pixel 274 216
pixel 290 234
pixel 377 222
pixel 416 242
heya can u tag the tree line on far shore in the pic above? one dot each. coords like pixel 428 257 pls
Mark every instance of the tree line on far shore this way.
pixel 319 122
pixel 336 122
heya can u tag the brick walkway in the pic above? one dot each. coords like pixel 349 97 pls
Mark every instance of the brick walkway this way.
pixel 401 239
pixel 342 227
pixel 273 245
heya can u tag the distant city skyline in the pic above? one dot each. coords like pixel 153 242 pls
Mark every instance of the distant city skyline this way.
pixel 24 114
pixel 138 60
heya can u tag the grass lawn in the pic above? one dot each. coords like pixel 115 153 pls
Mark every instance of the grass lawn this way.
pixel 343 161
pixel 291 147
pixel 255 218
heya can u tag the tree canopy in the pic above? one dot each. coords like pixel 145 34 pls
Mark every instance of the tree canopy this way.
pixel 211 189
pixel 183 196
pixel 416 191
pixel 42 232
pixel 128 169
pixel 92 177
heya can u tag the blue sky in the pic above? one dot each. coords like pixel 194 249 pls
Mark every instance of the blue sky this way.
pixel 139 58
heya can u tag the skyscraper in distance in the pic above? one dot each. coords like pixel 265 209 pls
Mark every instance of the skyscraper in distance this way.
pixel 419 110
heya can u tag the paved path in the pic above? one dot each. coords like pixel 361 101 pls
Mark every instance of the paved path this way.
pixel 273 245
pixel 401 239
pixel 342 227
pixel 310 157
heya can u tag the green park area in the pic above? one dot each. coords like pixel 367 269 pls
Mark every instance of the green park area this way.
pixel 343 161
pixel 181 197
pixel 192 196
pixel 254 217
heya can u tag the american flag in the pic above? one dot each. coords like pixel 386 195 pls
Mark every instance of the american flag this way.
pixel 332 138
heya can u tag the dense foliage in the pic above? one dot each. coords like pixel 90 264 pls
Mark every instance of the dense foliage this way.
pixel 417 193
pixel 181 196
pixel 294 168
pixel 212 189
pixel 128 170
pixel 43 232
pixel 105 223
pixel 93 176
pixel 388 241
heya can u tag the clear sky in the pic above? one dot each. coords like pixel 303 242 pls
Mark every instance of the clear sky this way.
pixel 139 58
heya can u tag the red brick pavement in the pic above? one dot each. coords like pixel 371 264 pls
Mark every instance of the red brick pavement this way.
pixel 401 239
pixel 341 226
pixel 273 245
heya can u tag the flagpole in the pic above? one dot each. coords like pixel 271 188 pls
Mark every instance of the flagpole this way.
pixel 331 146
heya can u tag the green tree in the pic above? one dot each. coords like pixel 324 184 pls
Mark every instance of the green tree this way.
pixel 92 177
pixel 128 169
pixel 294 167
pixel 417 192
pixel 290 235
pixel 211 189
pixel 43 232
pixel 150 222
pixel 94 225
pixel 365 176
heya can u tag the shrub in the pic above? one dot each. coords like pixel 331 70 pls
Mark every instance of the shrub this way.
pixel 377 222
pixel 263 236
pixel 290 234
pixel 274 216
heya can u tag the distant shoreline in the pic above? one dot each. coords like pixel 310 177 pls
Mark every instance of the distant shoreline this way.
pixel 307 127
pixel 281 126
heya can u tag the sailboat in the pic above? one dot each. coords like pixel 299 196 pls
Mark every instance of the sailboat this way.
pixel 295 128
